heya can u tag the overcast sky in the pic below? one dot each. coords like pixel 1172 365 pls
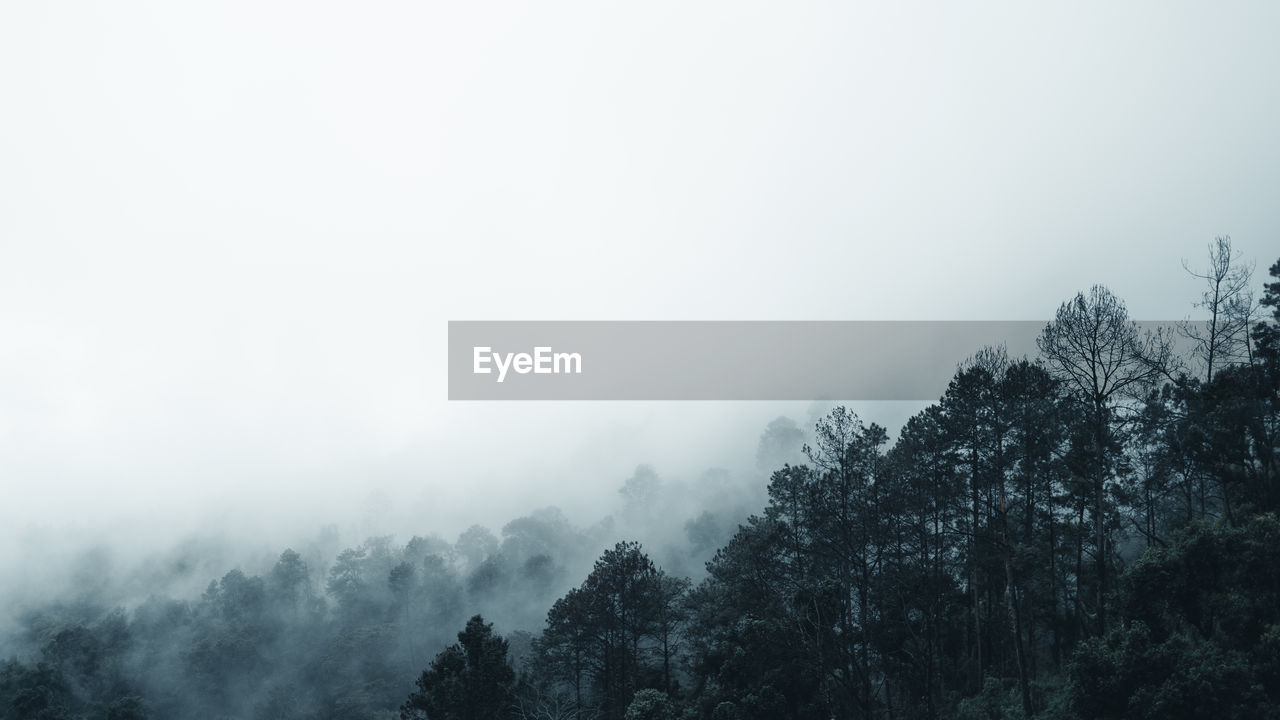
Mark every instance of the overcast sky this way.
pixel 231 233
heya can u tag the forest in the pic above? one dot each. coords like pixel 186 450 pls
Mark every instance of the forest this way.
pixel 1088 533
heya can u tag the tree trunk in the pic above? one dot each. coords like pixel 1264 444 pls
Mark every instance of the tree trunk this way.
pixel 1011 592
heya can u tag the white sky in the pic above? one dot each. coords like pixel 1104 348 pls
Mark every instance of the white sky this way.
pixel 231 233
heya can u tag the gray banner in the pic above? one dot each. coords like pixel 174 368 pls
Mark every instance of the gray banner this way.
pixel 719 360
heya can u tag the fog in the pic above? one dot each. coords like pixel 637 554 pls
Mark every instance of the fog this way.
pixel 232 234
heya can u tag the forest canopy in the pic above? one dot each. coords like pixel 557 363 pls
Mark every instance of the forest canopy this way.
pixel 1089 533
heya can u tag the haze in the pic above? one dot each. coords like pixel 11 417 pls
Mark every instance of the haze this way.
pixel 231 234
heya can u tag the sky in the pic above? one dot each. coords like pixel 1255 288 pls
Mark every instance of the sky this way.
pixel 232 233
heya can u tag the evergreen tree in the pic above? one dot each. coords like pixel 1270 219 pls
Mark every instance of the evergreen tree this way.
pixel 468 681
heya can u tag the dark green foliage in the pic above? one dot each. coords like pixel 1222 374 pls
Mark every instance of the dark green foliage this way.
pixel 615 634
pixel 468 681
pixel 650 704
pixel 1200 636
pixel 1130 675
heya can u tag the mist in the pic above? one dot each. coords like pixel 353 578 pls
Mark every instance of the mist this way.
pixel 232 236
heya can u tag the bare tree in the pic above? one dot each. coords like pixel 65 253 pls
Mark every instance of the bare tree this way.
pixel 1103 360
pixel 1224 338
pixel 535 703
